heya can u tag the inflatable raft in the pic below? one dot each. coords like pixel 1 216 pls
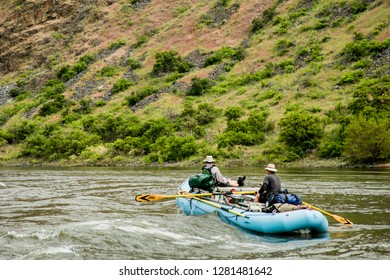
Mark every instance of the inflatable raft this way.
pixel 252 218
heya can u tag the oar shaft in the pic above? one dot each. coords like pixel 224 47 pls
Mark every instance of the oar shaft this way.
pixel 156 197
pixel 204 194
pixel 188 195
pixel 220 207
pixel 316 208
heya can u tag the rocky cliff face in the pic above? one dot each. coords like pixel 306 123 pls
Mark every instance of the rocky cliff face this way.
pixel 30 30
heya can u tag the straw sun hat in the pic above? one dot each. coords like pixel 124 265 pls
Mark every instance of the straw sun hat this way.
pixel 271 167
pixel 209 159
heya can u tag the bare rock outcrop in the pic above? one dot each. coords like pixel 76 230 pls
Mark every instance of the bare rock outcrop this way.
pixel 35 30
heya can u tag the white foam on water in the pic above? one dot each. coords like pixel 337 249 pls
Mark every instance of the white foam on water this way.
pixel 152 231
pixel 40 235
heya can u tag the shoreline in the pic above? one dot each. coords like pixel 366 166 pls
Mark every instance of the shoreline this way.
pixel 303 163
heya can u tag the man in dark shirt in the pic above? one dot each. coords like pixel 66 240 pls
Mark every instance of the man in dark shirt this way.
pixel 271 184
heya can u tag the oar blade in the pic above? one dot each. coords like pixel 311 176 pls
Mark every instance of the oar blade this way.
pixel 148 197
pixel 342 220
pixel 337 218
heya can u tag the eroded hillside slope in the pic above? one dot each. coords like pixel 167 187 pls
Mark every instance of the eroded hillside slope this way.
pixel 168 81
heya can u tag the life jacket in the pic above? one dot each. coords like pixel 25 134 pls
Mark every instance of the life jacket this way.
pixel 207 170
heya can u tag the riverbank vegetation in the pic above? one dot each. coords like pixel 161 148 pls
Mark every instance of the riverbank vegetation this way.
pixel 308 80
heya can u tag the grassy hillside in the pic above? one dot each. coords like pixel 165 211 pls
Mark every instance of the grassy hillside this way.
pixel 144 82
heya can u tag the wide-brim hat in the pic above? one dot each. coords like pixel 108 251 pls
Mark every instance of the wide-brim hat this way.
pixel 209 159
pixel 271 167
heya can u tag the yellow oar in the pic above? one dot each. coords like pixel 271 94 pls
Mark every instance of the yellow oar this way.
pixel 337 218
pixel 220 207
pixel 156 197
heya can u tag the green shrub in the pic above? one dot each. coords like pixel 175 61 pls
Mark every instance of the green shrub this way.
pixel 53 88
pixel 282 31
pixel 173 148
pixel 67 72
pixel 133 146
pixel 18 93
pixel 5 136
pixel 117 44
pixel 152 157
pixel 35 146
pixel 224 53
pixel 53 99
pixel 17 133
pixel 308 54
pixel 335 13
pixel 205 19
pixel 233 138
pixel 351 77
pixel 136 97
pixel 259 22
pixel 320 24
pixel 218 14
pixel 53 106
pixel 142 136
pixel 278 152
pixel 14 92
pixel 137 137
pixel 300 130
pixel 368 140
pixel 282 46
pixel 88 59
pixel 257 25
pixel 108 71
pixel 93 154
pixel 243 79
pixel 331 150
pixel 295 15
pixel 286 66
pixel 62 143
pixel 362 64
pixel 133 63
pixel 109 126
pixel 100 103
pixel 173 77
pixel 199 86
pixel 371 93
pixel 233 113
pixel 85 107
pixel 247 133
pixel 206 113
pixel 333 142
pixel 362 48
pixel 79 67
pixel 154 129
pixel 121 85
pixel 269 94
pixel 193 120
pixel 141 39
pixel 170 61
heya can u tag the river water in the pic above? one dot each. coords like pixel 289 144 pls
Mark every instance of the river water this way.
pixel 91 214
